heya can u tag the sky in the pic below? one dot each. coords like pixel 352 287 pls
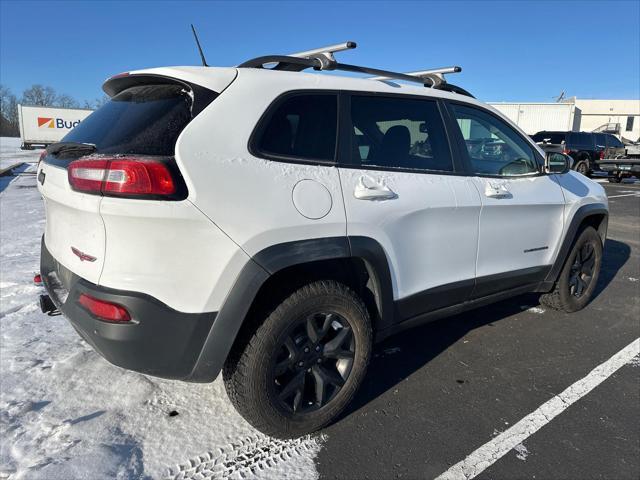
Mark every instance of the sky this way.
pixel 509 50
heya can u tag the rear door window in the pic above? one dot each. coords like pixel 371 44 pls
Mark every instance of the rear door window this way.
pixel 581 139
pixel 600 140
pixel 614 142
pixel 302 127
pixel 144 120
pixel 398 133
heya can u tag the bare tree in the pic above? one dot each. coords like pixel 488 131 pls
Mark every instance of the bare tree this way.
pixel 8 113
pixel 66 101
pixel 97 103
pixel 39 95
pixel 100 101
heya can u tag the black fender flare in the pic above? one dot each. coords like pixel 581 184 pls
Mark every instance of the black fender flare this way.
pixel 269 261
pixel 578 219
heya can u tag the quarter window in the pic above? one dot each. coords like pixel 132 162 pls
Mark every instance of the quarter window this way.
pixel 302 127
pixel 494 148
pixel 398 133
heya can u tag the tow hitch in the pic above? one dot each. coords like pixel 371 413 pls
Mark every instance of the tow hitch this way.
pixel 47 306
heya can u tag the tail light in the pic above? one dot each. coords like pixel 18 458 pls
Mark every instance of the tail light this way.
pixel 42 155
pixel 601 154
pixel 111 312
pixel 133 177
pixel 566 151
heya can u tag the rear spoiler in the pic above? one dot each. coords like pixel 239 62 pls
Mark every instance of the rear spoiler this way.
pixel 201 96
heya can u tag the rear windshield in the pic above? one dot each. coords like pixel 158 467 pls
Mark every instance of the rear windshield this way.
pixel 144 120
pixel 549 137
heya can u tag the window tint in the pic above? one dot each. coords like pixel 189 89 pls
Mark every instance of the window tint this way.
pixel 613 141
pixel 494 147
pixel 143 120
pixel 549 137
pixel 398 133
pixel 303 126
pixel 582 139
pixel 600 139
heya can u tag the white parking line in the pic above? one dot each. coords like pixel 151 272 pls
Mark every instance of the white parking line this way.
pixel 491 452
pixel 625 195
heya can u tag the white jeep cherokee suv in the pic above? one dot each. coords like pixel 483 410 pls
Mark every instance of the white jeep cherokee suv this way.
pixel 273 224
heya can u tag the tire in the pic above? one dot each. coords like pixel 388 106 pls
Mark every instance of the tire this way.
pixel 575 286
pixel 278 372
pixel 616 179
pixel 583 168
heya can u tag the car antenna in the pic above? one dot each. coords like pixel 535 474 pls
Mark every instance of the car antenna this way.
pixel 204 62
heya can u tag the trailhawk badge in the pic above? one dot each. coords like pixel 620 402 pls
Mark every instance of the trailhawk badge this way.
pixel 82 256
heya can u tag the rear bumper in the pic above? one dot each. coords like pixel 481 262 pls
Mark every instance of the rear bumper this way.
pixel 158 341
pixel 621 167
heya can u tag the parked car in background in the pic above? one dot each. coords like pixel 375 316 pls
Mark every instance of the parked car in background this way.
pixel 584 147
pixel 620 168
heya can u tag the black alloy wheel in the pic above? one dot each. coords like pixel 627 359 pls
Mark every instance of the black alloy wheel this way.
pixel 313 362
pixel 295 370
pixel 579 276
pixel 581 272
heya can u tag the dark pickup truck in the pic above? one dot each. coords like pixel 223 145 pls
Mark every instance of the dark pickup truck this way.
pixel 586 148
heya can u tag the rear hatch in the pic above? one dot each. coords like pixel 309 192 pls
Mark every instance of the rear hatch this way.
pixel 124 149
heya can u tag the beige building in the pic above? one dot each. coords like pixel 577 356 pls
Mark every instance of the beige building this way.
pixel 622 116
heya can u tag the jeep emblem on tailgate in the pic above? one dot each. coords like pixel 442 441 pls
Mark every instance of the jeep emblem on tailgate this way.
pixel 82 256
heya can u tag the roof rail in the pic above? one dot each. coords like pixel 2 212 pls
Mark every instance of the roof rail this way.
pixel 323 59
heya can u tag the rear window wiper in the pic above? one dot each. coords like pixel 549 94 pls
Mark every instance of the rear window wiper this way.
pixel 69 147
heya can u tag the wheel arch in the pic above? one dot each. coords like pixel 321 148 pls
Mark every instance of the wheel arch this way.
pixel 595 215
pixel 359 262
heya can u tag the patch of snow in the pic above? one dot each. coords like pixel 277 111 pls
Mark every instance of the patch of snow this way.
pixel 632 279
pixel 521 452
pixel 65 412
pixel 11 154
pixel 536 310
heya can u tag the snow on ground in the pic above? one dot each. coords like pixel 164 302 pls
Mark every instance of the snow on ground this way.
pixel 66 413
pixel 11 154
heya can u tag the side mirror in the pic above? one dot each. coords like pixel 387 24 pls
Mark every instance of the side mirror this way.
pixel 558 163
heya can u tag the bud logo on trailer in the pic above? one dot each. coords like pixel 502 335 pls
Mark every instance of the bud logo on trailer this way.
pixel 47 122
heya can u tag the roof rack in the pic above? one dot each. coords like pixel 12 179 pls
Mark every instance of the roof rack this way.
pixel 436 75
pixel 323 59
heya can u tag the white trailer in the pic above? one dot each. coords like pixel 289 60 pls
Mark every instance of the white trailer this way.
pixel 42 126
pixel 535 117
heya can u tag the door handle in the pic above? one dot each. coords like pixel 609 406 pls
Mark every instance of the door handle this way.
pixel 497 190
pixel 369 189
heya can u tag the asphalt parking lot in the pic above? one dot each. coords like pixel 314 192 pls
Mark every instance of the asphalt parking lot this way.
pixel 437 393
